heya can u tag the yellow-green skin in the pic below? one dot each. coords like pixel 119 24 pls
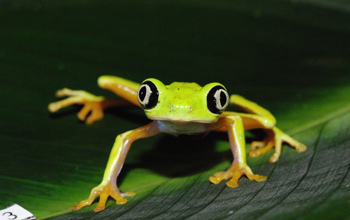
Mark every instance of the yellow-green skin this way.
pixel 182 102
pixel 181 109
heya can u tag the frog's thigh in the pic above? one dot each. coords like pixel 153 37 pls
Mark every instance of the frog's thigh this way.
pixel 251 121
pixel 255 116
pixel 248 106
pixel 122 87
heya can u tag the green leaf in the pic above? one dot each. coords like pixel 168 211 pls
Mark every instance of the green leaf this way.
pixel 292 57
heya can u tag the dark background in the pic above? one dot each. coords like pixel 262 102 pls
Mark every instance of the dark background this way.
pixel 292 57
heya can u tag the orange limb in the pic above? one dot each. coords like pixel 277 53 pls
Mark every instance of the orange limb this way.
pixel 239 167
pixel 258 117
pixel 108 186
pixel 275 139
pixel 93 106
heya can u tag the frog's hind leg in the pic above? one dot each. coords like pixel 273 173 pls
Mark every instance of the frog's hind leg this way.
pixel 124 88
pixel 258 117
pixel 275 139
pixel 93 106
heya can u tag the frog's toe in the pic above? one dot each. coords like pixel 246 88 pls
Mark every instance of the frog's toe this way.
pixel 251 176
pixel 232 183
pixel 275 157
pixel 128 194
pixel 119 198
pixel 99 208
pixel 83 203
pixel 300 148
pixel 96 112
pixel 260 178
pixel 219 176
pixel 254 153
pixel 52 107
pixel 268 145
pixel 65 92
pixel 215 180
pixel 257 144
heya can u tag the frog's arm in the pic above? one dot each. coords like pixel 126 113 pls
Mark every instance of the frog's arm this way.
pixel 258 117
pixel 233 124
pixel 108 186
pixel 96 104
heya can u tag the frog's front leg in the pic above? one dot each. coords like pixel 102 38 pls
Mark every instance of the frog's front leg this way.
pixel 275 138
pixel 239 167
pixel 104 190
pixel 108 186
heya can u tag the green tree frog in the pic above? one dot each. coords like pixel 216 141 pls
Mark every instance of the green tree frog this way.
pixel 178 108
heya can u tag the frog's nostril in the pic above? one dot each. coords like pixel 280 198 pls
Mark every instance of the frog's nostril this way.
pixel 184 109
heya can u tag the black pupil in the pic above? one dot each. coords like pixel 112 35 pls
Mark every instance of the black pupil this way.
pixel 142 93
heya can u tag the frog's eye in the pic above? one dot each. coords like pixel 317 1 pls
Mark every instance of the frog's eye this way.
pixel 148 95
pixel 217 99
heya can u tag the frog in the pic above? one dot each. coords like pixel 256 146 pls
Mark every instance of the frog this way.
pixel 176 109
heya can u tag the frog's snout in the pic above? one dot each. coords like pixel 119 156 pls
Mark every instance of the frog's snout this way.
pixel 181 108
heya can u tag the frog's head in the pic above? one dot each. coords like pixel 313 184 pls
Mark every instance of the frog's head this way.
pixel 182 102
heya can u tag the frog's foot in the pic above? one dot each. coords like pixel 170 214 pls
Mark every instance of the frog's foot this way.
pixel 275 139
pixel 235 171
pixel 104 191
pixel 92 104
